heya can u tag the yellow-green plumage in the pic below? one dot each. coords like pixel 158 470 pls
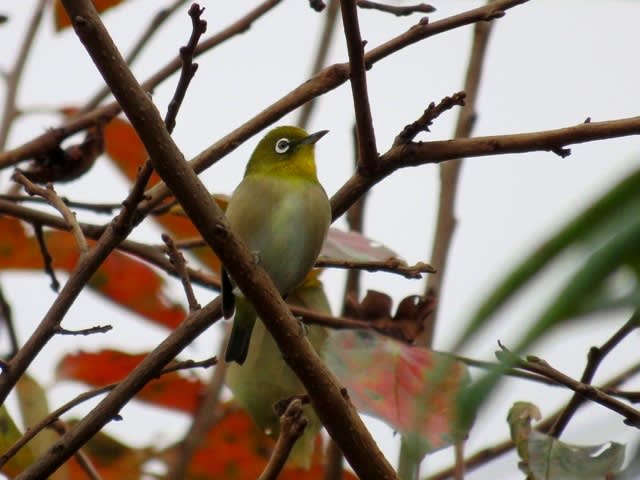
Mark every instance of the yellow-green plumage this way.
pixel 282 212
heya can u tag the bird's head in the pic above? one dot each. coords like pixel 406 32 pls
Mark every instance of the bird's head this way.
pixel 286 151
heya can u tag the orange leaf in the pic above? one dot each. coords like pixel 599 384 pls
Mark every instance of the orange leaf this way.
pixel 121 278
pixel 98 369
pixel 62 19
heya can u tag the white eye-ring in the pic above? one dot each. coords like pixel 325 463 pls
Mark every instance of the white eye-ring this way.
pixel 282 145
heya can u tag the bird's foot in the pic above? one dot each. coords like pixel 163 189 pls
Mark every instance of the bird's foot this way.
pixel 304 330
pixel 256 257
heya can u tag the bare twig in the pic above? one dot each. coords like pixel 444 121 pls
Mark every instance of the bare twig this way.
pixel 450 172
pixel 33 430
pixel 7 319
pixel 12 77
pixel 393 265
pixel 46 257
pixel 292 425
pixel 188 70
pixel 50 195
pixel 178 262
pixel 321 56
pixel 398 10
pixel 207 415
pixel 595 357
pixel 541 367
pixel 152 28
pixel 367 150
pixel 432 112
pixel 85 331
pixel 94 207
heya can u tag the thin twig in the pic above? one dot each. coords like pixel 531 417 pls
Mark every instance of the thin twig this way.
pixel 292 425
pixel 94 207
pixel 178 262
pixel 595 357
pixel 207 415
pixel 50 195
pixel 541 367
pixel 367 150
pixel 46 257
pixel 398 10
pixel 85 331
pixel 322 52
pixel 432 112
pixel 450 173
pixel 83 460
pixel 393 265
pixel 33 430
pixel 188 70
pixel 154 25
pixel 12 77
pixel 7 319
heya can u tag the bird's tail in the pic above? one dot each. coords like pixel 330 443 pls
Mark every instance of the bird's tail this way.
pixel 243 322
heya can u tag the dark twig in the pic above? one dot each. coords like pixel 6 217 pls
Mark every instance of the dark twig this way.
pixel 393 265
pixel 207 415
pixel 178 262
pixel 367 151
pixel 52 417
pixel 595 357
pixel 188 70
pixel 292 425
pixel 398 10
pixel 450 173
pixel 46 257
pixel 50 195
pixel 487 454
pixel 541 367
pixel 94 207
pixel 432 112
pixel 83 460
pixel 12 78
pixel 7 319
pixel 321 56
pixel 152 28
pixel 85 331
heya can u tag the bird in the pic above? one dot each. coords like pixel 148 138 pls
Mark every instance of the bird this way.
pixel 282 212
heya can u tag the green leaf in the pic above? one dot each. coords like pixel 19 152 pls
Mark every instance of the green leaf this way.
pixel 607 216
pixel 547 458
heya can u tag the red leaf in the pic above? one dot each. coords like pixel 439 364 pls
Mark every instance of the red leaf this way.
pixel 121 278
pixel 355 247
pixel 171 390
pixel 412 389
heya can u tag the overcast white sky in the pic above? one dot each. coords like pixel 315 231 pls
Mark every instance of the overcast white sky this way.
pixel 550 64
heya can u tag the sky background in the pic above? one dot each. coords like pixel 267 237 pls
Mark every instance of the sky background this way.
pixel 550 64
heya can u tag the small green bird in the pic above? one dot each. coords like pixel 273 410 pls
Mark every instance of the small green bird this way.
pixel 283 214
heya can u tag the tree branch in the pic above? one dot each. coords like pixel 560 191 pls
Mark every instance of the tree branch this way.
pixel 367 151
pixel 595 357
pixel 13 76
pixel 336 413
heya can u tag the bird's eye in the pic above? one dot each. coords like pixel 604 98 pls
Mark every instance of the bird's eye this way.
pixel 282 145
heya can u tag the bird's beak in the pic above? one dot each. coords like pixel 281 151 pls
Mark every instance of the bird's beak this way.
pixel 313 138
